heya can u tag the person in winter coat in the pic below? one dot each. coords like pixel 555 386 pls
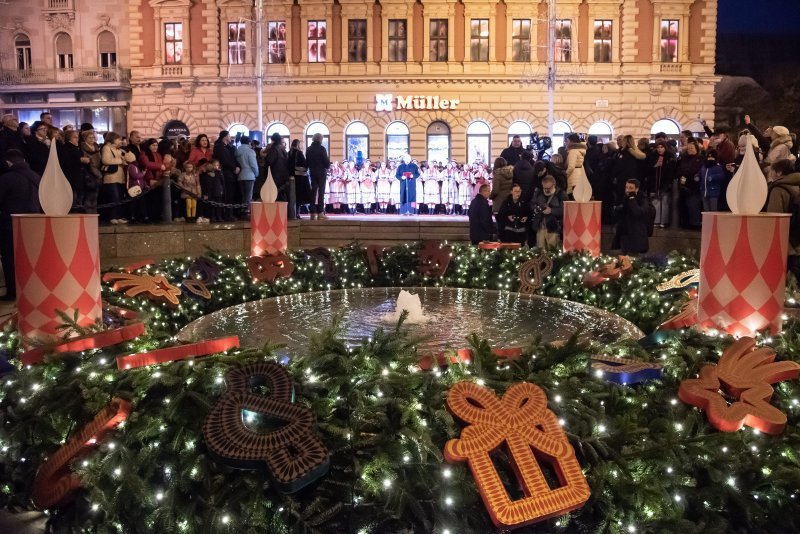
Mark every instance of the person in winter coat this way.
pixel 576 154
pixel 114 177
pixel 690 203
pixel 661 167
pixel 201 150
pixel 277 161
pixel 19 193
pixel 481 227
pixel 298 180
pixel 513 153
pixel 525 176
pixel 502 180
pixel 318 164
pixel 9 138
pixel 94 176
pixel 407 174
pixel 627 164
pixel 781 146
pixel 226 155
pixel 631 235
pixel 73 163
pixel 515 216
pixel 189 180
pixel 212 187
pixel 711 178
pixel 547 209
pixel 784 188
pixel 137 177
pixel 248 165
pixel 37 149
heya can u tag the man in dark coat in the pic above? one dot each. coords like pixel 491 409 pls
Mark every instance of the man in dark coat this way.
pixel 9 138
pixel 525 176
pixel 318 164
pixel 481 227
pixel 547 213
pixel 37 150
pixel 631 236
pixel 227 160
pixel 276 159
pixel 513 152
pixel 515 216
pixel 407 173
pixel 19 193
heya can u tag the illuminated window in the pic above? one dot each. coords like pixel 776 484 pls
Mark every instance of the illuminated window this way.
pixel 602 41
pixel 237 44
pixel 173 43
pixel 276 41
pixel 522 129
pixel 438 142
pixel 479 141
pixel 669 41
pixel 357 40
pixel 561 129
pixel 667 126
pixel 22 46
pixel 521 40
pixel 318 128
pixel 317 41
pixel 479 40
pixel 602 130
pixel 398 140
pixel 280 129
pixel 438 40
pixel 356 138
pixel 563 40
pixel 398 39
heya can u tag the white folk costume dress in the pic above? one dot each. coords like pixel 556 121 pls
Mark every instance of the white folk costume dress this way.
pixel 433 194
pixel 336 185
pixel 450 185
pixel 394 187
pixel 351 186
pixel 464 187
pixel 420 191
pixel 383 190
pixel 366 180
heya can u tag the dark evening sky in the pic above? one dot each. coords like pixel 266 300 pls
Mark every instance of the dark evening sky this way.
pixel 763 16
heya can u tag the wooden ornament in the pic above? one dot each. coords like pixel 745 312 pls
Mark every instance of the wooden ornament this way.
pixel 680 281
pixel 205 270
pixel 620 267
pixel 441 359
pixel 55 484
pixel 133 267
pixel 293 455
pixel 746 374
pixel 374 257
pixel 196 288
pixel 268 268
pixel 180 352
pixel 626 371
pixel 434 258
pixel 686 318
pixel 532 434
pixel 532 273
pixel 98 340
pixel 153 287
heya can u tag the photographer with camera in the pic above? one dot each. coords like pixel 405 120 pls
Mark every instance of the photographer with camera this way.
pixel 632 214
pixel 513 152
pixel 514 216
pixel 547 209
pixel 481 226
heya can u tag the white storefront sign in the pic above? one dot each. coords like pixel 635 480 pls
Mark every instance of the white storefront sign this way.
pixel 389 102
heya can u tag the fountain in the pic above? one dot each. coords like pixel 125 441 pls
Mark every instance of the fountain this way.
pixel 451 314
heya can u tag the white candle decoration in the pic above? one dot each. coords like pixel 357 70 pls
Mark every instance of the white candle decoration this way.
pixel 55 191
pixel 747 192
pixel 583 189
pixel 269 191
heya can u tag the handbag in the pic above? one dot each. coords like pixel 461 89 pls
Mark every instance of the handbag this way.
pixel 134 191
pixel 110 169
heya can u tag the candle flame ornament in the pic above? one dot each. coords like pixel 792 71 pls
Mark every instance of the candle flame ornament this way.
pixel 269 191
pixel 747 192
pixel 583 189
pixel 55 192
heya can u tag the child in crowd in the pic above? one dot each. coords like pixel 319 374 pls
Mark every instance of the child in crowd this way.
pixel 212 187
pixel 189 181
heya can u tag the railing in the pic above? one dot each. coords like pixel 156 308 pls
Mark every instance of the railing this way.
pixel 671 68
pixel 49 76
pixel 172 70
pixel 59 5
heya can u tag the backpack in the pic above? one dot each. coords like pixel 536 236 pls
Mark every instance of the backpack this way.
pixel 794 210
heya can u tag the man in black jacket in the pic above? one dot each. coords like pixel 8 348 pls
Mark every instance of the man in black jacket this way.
pixel 631 236
pixel 276 159
pixel 525 176
pixel 37 150
pixel 226 156
pixel 513 152
pixel 9 138
pixel 318 164
pixel 481 227
pixel 547 209
pixel 19 193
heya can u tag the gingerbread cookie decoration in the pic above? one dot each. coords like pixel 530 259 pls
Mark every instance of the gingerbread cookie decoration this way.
pixel 620 267
pixel 532 273
pixel 268 268
pixel 153 287
pixel 374 257
pixel 434 258
pixel 686 318
pixel 205 270
pixel 680 281
pixel 196 288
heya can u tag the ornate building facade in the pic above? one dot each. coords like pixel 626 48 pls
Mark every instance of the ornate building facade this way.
pixel 440 79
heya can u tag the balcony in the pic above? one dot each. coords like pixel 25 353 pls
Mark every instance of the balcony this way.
pixel 59 6
pixel 672 68
pixel 89 76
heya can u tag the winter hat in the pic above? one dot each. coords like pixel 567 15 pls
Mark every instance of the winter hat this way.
pixel 743 141
pixel 86 126
pixel 779 131
pixel 275 138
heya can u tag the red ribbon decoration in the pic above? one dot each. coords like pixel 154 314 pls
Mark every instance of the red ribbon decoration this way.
pixel 181 352
pixel 99 340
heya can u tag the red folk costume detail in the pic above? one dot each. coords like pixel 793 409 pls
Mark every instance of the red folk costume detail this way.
pixel 745 373
pixel 522 422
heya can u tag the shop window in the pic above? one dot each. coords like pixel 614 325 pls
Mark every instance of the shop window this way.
pixel 279 128
pixel 356 141
pixel 438 137
pixel 22 46
pixel 398 140
pixel 564 40
pixel 561 129
pixel 173 43
pixel 479 142
pixel 317 41
pixel 319 128
pixel 667 126
pixel 357 40
pixel 64 52
pixel 521 40
pixel 276 41
pixel 669 41
pixel 237 43
pixel 438 39
pixel 398 39
pixel 603 131
pixel 522 129
pixel 479 40
pixel 602 41
pixel 107 48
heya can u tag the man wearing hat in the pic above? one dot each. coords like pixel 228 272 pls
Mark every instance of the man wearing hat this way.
pixel 276 160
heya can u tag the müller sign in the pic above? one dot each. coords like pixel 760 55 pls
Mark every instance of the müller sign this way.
pixel 390 102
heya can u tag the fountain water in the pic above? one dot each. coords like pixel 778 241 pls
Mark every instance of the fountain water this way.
pixel 410 303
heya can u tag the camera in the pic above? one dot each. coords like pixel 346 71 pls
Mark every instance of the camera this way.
pixel 539 146
pixel 537 210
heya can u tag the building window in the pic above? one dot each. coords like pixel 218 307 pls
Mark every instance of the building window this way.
pixel 23 49
pixel 603 132
pixel 64 51
pixel 438 142
pixel 280 129
pixel 398 40
pixel 398 140
pixel 237 43
pixel 356 141
pixel 602 41
pixel 357 40
pixel 317 41
pixel 479 40
pixel 438 39
pixel 669 41
pixel 666 126
pixel 563 40
pixel 319 128
pixel 236 131
pixel 522 129
pixel 277 41
pixel 561 129
pixel 173 40
pixel 107 48
pixel 479 141
pixel 521 40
